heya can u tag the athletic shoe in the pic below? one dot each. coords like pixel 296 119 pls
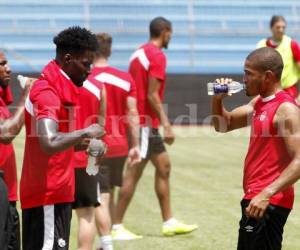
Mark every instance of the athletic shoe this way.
pixel 178 228
pixel 124 234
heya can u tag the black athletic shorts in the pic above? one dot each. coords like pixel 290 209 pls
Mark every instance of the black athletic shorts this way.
pixel 86 189
pixel 151 142
pixel 111 173
pixel 263 234
pixel 14 227
pixel 4 214
pixel 46 227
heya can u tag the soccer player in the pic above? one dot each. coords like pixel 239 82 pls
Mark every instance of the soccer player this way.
pixel 47 182
pixel 121 113
pixel 10 126
pixel 91 108
pixel 290 52
pixel 148 69
pixel 272 163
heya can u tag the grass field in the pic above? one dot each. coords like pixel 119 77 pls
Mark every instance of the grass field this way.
pixel 206 189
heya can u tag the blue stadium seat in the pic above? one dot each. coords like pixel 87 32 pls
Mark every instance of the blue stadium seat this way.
pixel 209 36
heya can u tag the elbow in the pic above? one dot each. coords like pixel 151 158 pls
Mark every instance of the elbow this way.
pixel 220 124
pixel 218 128
pixel 47 147
pixel 150 98
pixel 6 140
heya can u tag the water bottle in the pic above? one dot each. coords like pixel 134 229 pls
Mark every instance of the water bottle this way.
pixel 231 88
pixel 22 80
pixel 96 148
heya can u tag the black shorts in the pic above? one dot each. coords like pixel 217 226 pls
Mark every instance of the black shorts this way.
pixel 46 227
pixel 111 173
pixel 4 214
pixel 263 234
pixel 86 189
pixel 14 227
pixel 151 142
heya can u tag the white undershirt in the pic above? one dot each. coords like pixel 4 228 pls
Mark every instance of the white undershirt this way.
pixel 268 98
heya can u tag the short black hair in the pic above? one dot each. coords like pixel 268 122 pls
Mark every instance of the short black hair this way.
pixel 158 25
pixel 276 19
pixel 267 59
pixel 104 45
pixel 75 40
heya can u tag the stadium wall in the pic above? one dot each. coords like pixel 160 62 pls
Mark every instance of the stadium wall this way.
pixel 186 99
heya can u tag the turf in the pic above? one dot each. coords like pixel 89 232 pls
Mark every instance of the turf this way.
pixel 206 189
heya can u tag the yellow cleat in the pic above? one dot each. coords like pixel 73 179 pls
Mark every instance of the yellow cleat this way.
pixel 124 234
pixel 178 228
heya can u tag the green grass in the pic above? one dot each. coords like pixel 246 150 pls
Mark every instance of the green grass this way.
pixel 206 189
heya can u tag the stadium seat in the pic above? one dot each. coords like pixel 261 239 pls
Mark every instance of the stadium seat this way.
pixel 209 36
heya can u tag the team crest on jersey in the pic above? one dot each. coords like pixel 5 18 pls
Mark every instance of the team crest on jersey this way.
pixel 263 116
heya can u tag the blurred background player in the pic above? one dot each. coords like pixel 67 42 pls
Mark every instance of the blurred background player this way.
pixel 10 126
pixel 272 162
pixel 148 69
pixel 47 182
pixel 290 52
pixel 121 113
pixel 90 109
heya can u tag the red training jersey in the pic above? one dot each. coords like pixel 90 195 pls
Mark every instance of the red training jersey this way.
pixel 48 178
pixel 87 111
pixel 267 155
pixel 119 86
pixel 7 153
pixel 148 61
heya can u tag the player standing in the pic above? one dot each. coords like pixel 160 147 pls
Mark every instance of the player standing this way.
pixel 290 52
pixel 121 113
pixel 47 182
pixel 272 163
pixel 91 107
pixel 148 69
pixel 10 126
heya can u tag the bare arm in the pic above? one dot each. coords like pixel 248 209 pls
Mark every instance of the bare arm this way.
pixel 287 119
pixel 133 120
pixel 225 121
pixel 11 127
pixel 134 130
pixel 156 105
pixel 52 141
pixel 102 115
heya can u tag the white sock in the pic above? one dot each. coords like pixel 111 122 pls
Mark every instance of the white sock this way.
pixel 106 242
pixel 116 226
pixel 170 222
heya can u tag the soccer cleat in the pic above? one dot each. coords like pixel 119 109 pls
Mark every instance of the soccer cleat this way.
pixel 178 228
pixel 124 234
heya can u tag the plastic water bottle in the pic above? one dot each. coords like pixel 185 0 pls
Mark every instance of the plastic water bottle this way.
pixel 214 88
pixel 22 80
pixel 96 148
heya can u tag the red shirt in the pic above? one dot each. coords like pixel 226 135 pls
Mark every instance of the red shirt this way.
pixel 48 179
pixel 88 111
pixel 119 86
pixel 7 153
pixel 267 155
pixel 294 47
pixel 147 61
